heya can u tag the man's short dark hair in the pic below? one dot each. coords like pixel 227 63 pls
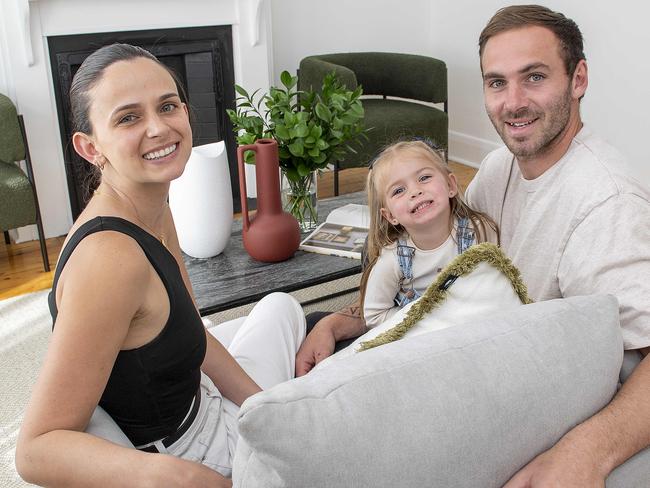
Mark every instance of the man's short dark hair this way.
pixel 519 16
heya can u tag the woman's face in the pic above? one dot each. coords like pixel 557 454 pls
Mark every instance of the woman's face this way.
pixel 139 123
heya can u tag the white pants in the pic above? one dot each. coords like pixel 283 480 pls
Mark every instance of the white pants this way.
pixel 265 345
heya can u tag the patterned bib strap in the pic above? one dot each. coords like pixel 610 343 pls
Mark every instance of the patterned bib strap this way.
pixel 464 235
pixel 405 255
pixel 406 294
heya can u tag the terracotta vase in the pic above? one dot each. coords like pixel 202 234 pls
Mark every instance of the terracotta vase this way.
pixel 272 235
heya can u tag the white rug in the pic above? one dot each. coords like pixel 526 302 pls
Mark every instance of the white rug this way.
pixel 25 326
pixel 24 332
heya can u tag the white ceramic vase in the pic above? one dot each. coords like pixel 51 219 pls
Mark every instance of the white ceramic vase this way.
pixel 201 202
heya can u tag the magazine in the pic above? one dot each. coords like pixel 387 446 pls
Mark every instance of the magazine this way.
pixel 342 234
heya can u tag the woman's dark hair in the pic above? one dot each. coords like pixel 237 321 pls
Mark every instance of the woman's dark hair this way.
pixel 92 70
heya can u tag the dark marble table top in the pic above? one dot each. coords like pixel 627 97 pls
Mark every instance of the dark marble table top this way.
pixel 233 278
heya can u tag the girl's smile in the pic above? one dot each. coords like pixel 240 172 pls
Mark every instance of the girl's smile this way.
pixel 422 206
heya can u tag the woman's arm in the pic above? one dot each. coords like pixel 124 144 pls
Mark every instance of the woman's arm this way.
pixel 227 375
pixel 100 295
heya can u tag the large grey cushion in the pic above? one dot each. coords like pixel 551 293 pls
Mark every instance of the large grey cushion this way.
pixel 461 407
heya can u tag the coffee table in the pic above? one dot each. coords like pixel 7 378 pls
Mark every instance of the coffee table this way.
pixel 233 278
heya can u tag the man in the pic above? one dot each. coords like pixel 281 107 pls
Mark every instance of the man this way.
pixel 570 217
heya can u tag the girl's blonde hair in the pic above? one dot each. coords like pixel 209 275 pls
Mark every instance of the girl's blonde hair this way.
pixel 382 233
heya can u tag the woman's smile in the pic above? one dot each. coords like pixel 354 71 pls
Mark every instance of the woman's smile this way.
pixel 160 153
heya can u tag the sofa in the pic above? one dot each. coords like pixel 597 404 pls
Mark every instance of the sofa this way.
pixel 465 406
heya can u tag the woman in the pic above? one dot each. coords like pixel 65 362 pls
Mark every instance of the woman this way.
pixel 127 334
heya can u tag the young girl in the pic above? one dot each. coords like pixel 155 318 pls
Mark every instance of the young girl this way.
pixel 127 334
pixel 418 224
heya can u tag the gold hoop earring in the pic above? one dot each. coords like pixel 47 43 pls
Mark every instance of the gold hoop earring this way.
pixel 100 162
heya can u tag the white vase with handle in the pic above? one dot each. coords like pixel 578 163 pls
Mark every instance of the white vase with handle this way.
pixel 201 202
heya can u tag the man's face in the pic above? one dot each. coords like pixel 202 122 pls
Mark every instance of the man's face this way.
pixel 529 96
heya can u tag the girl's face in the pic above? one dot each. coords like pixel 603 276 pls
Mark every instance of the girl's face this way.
pixel 416 194
pixel 139 124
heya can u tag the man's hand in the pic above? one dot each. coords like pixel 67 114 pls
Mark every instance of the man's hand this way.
pixel 565 465
pixel 319 343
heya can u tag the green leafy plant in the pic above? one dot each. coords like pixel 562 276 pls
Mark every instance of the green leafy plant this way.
pixel 312 129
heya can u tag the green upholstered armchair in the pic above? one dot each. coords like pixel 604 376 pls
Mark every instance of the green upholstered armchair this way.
pixel 402 82
pixel 18 200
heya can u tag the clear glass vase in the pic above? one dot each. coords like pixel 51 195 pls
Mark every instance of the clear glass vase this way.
pixel 299 199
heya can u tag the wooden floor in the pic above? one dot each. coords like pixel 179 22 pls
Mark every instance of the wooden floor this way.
pixel 21 266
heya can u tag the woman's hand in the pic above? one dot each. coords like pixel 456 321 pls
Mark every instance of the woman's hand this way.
pixel 172 472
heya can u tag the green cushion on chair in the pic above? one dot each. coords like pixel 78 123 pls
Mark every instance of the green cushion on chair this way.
pixel 16 195
pixel 390 120
pixel 11 141
pixel 391 74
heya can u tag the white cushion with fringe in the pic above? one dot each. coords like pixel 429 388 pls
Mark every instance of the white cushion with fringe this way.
pixel 480 281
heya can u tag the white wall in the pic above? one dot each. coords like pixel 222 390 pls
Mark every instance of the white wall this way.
pixel 618 99
pixel 455 27
pixel 305 27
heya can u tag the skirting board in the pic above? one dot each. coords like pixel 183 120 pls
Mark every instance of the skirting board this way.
pixel 469 150
pixel 24 234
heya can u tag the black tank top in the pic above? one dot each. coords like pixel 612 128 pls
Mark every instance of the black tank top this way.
pixel 150 388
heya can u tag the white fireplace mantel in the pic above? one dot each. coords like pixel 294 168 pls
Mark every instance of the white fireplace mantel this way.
pixel 25 73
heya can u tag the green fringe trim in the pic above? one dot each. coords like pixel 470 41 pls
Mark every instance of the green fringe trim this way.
pixel 462 265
